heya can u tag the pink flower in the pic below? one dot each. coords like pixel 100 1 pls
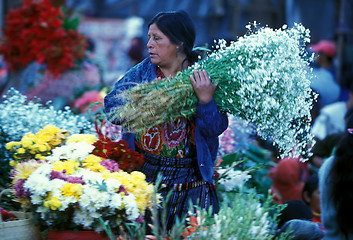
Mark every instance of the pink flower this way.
pixel 110 165
pixel 87 99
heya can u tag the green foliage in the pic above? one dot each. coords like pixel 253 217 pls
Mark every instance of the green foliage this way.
pixel 257 161
pixel 241 216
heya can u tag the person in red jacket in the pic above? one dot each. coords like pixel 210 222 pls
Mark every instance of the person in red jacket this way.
pixel 288 179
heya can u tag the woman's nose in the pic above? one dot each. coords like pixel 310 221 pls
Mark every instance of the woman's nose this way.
pixel 149 43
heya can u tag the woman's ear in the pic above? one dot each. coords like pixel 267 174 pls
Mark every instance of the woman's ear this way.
pixel 180 47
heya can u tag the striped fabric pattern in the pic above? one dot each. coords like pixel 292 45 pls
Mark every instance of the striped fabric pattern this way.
pixel 181 176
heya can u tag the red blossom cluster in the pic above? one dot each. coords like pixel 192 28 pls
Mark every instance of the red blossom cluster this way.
pixel 35 32
pixel 127 159
pixel 7 216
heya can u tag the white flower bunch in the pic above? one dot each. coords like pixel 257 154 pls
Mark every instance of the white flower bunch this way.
pixel 19 116
pixel 231 179
pixel 263 78
pixel 242 216
pixel 72 150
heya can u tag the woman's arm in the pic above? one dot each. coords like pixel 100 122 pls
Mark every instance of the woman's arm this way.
pixel 209 119
pixel 211 122
pixel 144 71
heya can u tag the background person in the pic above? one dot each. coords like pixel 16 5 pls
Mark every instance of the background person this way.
pixel 335 184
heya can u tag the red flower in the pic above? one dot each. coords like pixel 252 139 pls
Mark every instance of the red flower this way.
pixel 127 159
pixel 39 25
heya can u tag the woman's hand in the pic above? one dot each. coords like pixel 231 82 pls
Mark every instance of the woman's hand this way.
pixel 203 87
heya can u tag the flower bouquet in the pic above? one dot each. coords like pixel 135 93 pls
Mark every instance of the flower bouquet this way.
pixel 72 188
pixel 39 24
pixel 19 115
pixel 263 78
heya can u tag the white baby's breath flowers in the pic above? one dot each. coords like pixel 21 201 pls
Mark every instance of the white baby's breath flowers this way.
pixel 18 116
pixel 263 78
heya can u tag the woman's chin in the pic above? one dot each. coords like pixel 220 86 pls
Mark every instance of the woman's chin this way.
pixel 154 60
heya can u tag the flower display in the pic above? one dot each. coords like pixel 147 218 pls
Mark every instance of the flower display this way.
pixel 72 188
pixel 84 102
pixel 230 178
pixel 263 78
pixel 37 146
pixel 118 151
pixel 18 115
pixel 40 24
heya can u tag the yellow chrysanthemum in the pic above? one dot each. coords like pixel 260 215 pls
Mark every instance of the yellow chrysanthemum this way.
pixel 29 137
pixel 58 138
pixel 11 145
pixel 21 150
pixel 136 175
pixel 92 162
pixel 26 143
pixel 24 169
pixel 53 203
pixel 43 147
pixel 72 189
pixel 68 166
pixel 51 129
pixel 135 183
pixel 88 138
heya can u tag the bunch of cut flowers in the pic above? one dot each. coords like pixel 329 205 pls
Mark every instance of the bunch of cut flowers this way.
pixel 50 38
pixel 19 115
pixel 75 188
pixel 263 78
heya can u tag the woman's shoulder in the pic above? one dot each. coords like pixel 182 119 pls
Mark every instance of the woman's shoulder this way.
pixel 146 64
pixel 143 71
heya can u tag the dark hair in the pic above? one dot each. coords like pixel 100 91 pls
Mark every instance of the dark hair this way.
pixel 311 184
pixel 179 28
pixel 341 179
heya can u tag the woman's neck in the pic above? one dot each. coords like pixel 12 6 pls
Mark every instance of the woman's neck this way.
pixel 176 66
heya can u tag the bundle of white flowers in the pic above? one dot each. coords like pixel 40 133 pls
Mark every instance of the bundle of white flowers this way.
pixel 263 78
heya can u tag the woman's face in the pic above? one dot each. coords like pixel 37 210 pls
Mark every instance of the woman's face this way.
pixel 161 50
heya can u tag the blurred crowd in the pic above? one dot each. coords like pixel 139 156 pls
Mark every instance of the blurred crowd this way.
pixel 316 191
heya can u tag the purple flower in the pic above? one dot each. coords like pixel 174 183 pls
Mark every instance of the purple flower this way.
pixel 140 219
pixel 58 175
pixel 110 165
pixel 65 177
pixel 123 189
pixel 72 179
pixel 20 191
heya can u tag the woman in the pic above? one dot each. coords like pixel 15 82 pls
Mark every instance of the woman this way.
pixel 183 151
pixel 335 184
